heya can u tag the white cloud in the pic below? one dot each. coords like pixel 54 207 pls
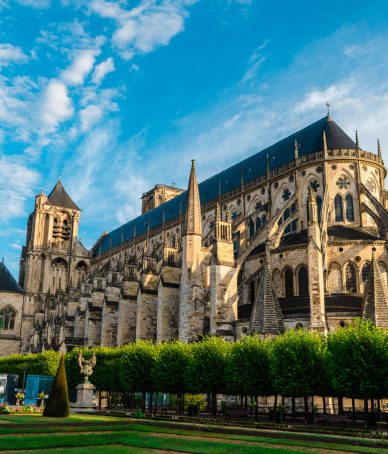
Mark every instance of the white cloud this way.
pixel 82 65
pixel 16 246
pixel 144 27
pixel 102 69
pixel 17 183
pixel 90 116
pixel 11 54
pixel 56 106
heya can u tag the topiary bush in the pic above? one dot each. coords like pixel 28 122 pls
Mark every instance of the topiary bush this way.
pixel 58 402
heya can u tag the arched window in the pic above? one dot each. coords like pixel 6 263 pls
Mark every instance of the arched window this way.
pixel 251 228
pixel 349 208
pixel 303 281
pixel 365 273
pixel 252 292
pixel 339 211
pixel 350 278
pixel 258 224
pixel 289 282
pixel 7 319
pixel 335 279
pixel 319 208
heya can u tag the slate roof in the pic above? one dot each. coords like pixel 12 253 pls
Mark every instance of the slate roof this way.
pixel 310 140
pixel 342 233
pixel 7 281
pixel 266 316
pixel 301 305
pixel 60 198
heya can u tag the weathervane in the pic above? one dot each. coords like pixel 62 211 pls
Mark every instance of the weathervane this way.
pixel 328 105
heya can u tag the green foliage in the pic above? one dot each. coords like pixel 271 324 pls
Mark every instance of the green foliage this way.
pixel 358 361
pixel 105 374
pixel 36 364
pixel 135 366
pixel 169 369
pixel 298 363
pixel 205 371
pixel 58 401
pixel 246 358
pixel 197 400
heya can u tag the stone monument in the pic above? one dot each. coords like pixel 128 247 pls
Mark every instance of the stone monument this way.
pixel 85 390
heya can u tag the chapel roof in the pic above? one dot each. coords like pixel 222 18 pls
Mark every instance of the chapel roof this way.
pixel 310 140
pixel 60 198
pixel 7 281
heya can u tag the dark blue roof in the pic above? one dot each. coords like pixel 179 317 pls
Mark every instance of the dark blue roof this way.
pixel 310 140
pixel 7 281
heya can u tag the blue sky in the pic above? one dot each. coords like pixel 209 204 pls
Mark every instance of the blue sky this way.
pixel 120 95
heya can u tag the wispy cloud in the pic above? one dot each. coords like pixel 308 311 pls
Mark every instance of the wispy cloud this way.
pixel 102 69
pixel 17 183
pixel 10 54
pixel 145 27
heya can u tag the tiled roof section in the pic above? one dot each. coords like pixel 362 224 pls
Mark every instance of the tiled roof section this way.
pixel 266 316
pixel 7 281
pixel 342 233
pixel 310 140
pixel 60 198
pixel 375 304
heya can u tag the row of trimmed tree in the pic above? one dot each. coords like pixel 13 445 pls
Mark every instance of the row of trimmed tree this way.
pixel 351 362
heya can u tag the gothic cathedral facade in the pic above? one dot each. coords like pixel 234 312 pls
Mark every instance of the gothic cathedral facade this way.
pixel 294 236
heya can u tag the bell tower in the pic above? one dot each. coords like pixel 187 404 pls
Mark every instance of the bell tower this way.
pixel 52 229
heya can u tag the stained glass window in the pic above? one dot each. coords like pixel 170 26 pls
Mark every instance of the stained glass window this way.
pixel 349 208
pixel 350 278
pixel 303 281
pixel 289 282
pixel 339 211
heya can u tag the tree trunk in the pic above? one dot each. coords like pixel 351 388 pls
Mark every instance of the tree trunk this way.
pixel 150 405
pixel 293 407
pixel 246 403
pixel 340 406
pixel 143 402
pixel 306 409
pixel 366 422
pixel 324 404
pixel 214 404
pixel 257 409
pixel 379 409
pixel 275 406
pixel 353 410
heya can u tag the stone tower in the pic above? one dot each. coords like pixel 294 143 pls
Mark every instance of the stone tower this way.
pixel 192 305
pixel 53 262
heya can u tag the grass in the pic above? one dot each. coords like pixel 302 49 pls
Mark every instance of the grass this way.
pixel 85 433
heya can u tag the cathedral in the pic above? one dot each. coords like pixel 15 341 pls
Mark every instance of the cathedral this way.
pixel 294 236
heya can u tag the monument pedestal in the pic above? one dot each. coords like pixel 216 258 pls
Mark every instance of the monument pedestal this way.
pixel 85 396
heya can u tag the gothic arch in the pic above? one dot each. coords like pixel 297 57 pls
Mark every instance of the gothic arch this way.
pixel 252 205
pixel 288 279
pixel 7 318
pixel 350 278
pixel 302 280
pixel 335 278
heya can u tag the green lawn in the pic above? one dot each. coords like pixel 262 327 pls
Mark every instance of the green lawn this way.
pixel 82 433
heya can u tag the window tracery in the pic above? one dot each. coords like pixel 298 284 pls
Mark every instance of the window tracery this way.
pixel 7 319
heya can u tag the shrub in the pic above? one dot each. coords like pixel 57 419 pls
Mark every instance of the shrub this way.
pixel 58 401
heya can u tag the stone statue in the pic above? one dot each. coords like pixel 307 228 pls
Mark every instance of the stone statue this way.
pixel 86 366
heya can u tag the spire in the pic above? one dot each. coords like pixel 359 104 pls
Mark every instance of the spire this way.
pixel 312 205
pixel 375 305
pixel 193 205
pixel 378 148
pixel 296 150
pixel 60 198
pixel 218 215
pixel 266 316
pixel 324 142
pixel 357 142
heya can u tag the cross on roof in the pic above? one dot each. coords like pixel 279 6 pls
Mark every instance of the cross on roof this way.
pixel 328 105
